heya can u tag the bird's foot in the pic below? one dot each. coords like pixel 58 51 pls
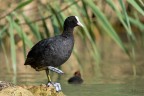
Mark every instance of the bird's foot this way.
pixel 56 85
pixel 55 70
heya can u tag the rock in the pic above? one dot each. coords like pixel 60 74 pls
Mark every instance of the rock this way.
pixel 15 91
pixel 9 89
pixel 43 90
pixel 4 84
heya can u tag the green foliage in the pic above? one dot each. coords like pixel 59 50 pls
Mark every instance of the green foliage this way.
pixel 23 4
pixel 3 48
pixel 12 46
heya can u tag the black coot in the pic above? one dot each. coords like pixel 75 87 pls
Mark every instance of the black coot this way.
pixel 54 51
pixel 76 79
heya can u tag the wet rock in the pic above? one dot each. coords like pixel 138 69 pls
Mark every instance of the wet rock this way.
pixel 4 84
pixel 9 89
pixel 43 90
pixel 15 91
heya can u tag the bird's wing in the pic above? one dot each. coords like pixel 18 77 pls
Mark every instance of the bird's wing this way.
pixel 37 50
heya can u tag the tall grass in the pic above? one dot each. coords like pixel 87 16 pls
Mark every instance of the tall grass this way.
pixel 12 47
pixel 125 20
pixel 56 14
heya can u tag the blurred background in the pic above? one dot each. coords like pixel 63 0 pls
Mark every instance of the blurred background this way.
pixel 108 49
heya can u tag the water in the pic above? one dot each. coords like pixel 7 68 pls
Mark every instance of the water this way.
pixel 104 90
pixel 117 87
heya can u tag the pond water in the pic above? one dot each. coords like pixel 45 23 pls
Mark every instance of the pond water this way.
pixel 133 87
pixel 104 90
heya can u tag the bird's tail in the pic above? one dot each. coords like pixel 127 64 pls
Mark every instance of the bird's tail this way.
pixel 55 70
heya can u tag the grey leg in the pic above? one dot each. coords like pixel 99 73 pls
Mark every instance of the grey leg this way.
pixel 54 69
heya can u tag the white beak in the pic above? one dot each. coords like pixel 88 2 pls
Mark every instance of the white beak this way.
pixel 79 23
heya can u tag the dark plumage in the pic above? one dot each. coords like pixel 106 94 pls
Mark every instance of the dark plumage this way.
pixel 53 51
pixel 76 79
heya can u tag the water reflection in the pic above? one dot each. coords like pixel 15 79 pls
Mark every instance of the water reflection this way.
pixel 103 90
pixel 128 87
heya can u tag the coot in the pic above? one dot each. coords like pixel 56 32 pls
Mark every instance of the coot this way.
pixel 54 51
pixel 76 79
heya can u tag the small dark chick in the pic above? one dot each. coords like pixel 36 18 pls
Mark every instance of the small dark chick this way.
pixel 76 79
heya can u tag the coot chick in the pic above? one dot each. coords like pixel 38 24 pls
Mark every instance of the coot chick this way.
pixel 76 79
pixel 54 51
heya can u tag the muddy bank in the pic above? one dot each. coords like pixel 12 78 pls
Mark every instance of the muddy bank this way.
pixel 9 89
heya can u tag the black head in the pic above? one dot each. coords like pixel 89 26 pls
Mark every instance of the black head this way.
pixel 71 22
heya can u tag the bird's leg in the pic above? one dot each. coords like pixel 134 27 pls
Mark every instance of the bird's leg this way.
pixel 56 85
pixel 48 76
pixel 54 69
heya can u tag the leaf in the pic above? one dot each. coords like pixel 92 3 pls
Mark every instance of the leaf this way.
pixel 136 6
pixel 34 28
pixel 23 4
pixel 106 25
pixel 12 44
pixel 4 49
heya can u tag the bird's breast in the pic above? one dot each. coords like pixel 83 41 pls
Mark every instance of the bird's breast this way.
pixel 59 52
pixel 65 48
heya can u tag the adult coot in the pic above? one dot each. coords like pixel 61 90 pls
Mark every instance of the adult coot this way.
pixel 54 51
pixel 76 79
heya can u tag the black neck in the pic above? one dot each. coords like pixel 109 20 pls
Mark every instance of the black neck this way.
pixel 68 31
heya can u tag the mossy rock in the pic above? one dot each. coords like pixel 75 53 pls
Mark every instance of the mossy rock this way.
pixel 15 91
pixel 4 84
pixel 9 89
pixel 43 90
